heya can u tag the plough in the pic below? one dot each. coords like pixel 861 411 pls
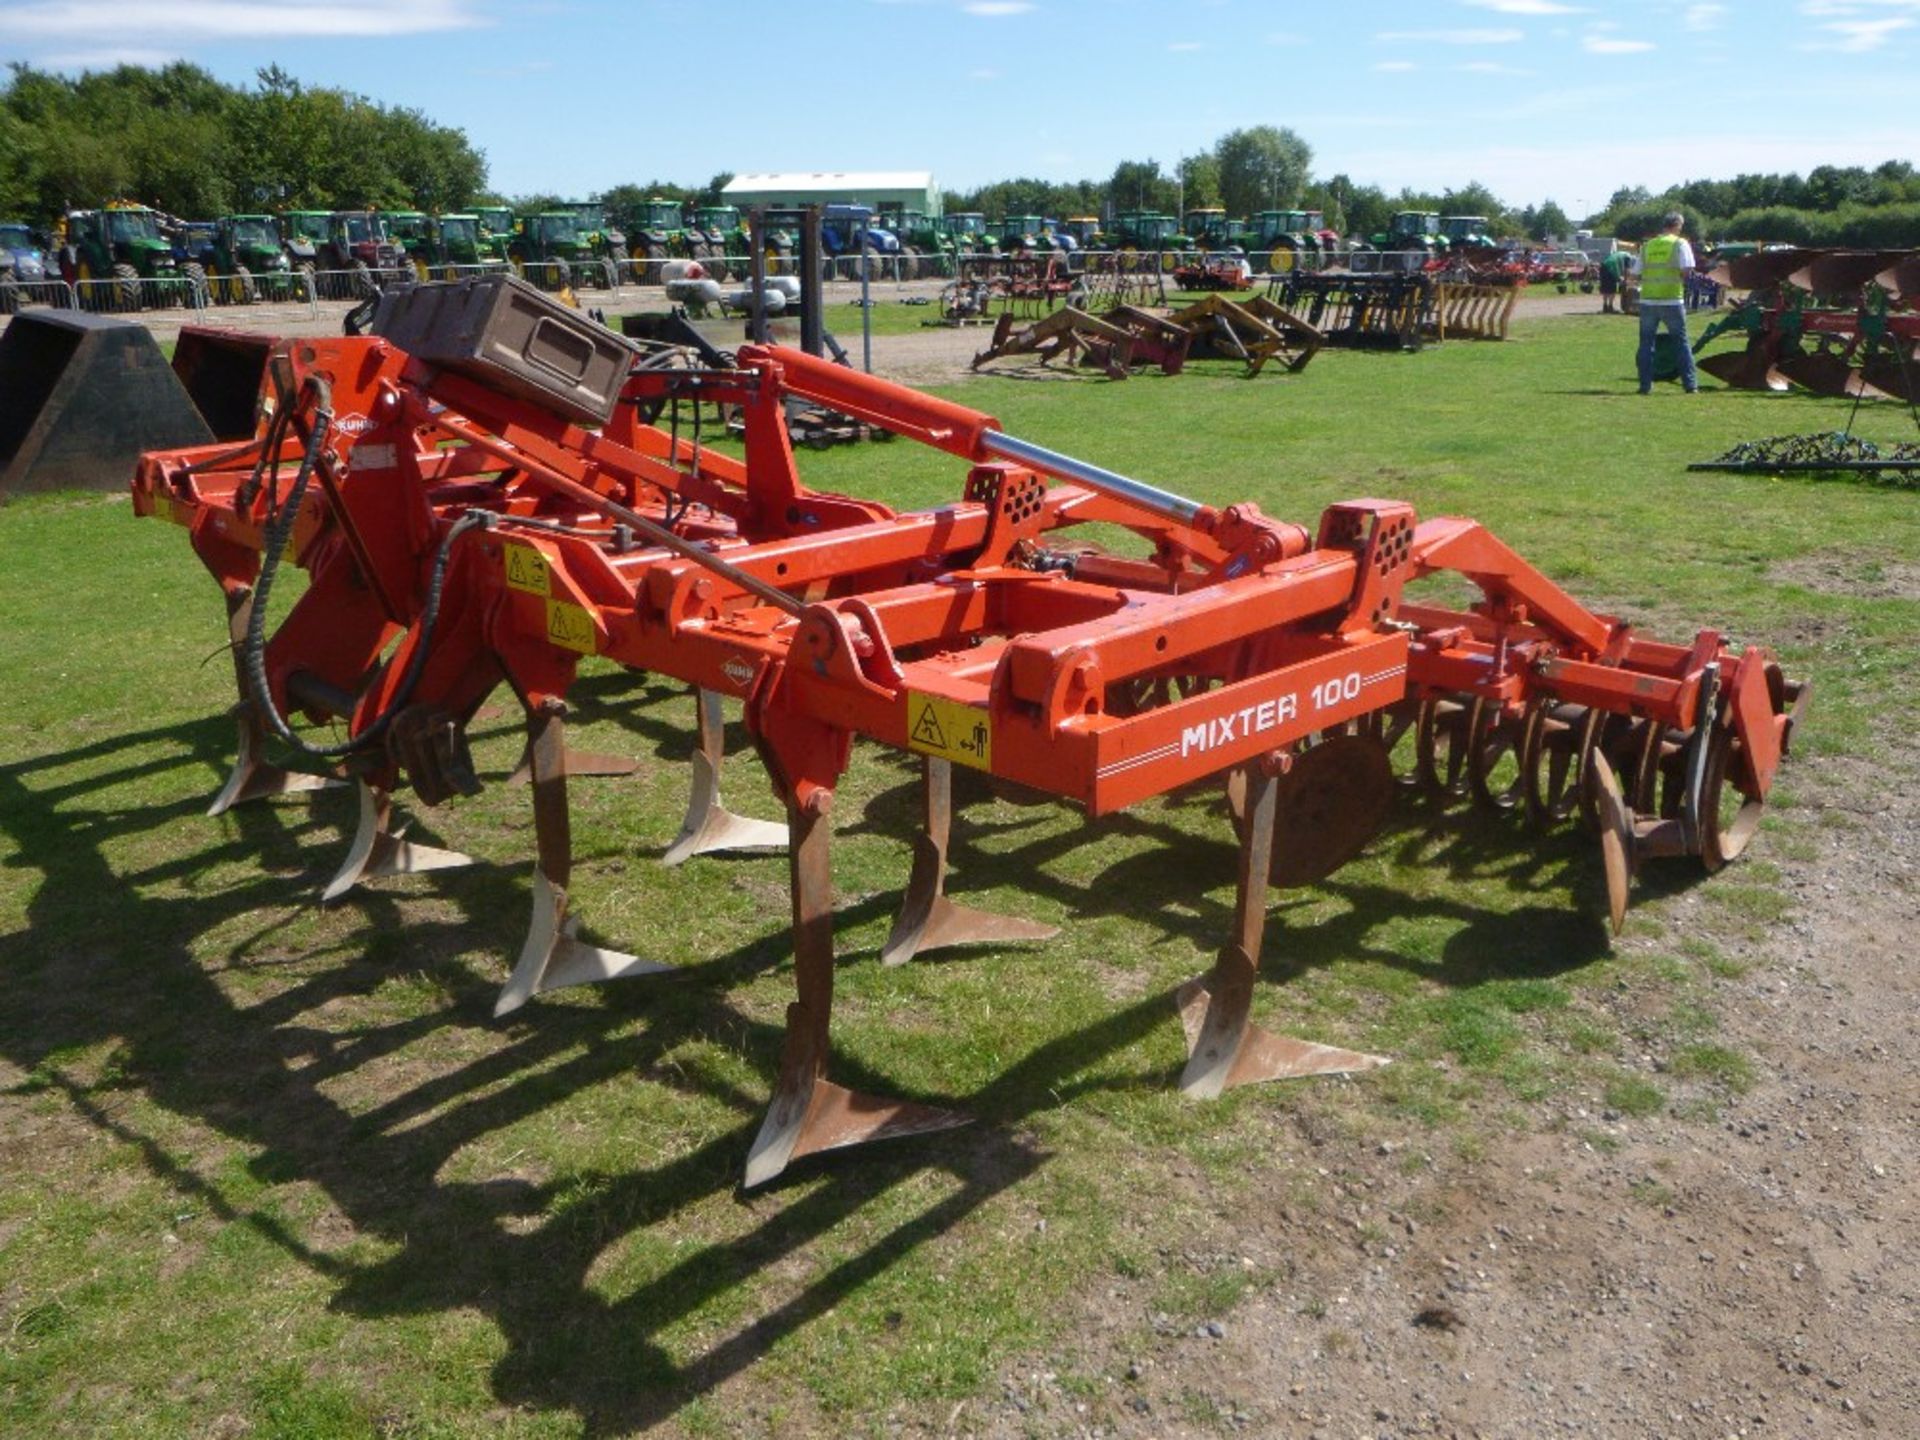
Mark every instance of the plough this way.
pixel 490 535
pixel 1254 330
pixel 1391 312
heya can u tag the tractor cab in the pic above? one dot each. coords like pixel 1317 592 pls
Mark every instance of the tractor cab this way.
pixel 1145 230
pixel 496 224
pixel 460 240
pixel 1207 227
pixel 360 239
pixel 598 231
pixel 22 265
pixel 967 229
pixel 1411 230
pixel 247 259
pixel 408 230
pixel 1465 232
pixel 303 232
pixel 121 242
pixel 1085 230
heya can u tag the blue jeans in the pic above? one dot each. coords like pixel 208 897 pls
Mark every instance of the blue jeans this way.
pixel 1673 315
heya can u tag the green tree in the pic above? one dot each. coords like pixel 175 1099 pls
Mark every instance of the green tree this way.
pixel 1261 168
pixel 1199 180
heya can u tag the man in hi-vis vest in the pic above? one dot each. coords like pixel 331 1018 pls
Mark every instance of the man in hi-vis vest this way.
pixel 1662 267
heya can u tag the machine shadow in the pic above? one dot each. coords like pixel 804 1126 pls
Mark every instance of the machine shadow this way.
pixel 265 1072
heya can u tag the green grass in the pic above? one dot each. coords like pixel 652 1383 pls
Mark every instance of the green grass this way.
pixel 275 1169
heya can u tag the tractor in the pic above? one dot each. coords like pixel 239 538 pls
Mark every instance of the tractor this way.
pixel 122 243
pixel 245 261
pixel 662 236
pixel 1209 228
pixel 926 249
pixel 357 243
pixel 496 228
pixel 1283 238
pixel 23 266
pixel 1086 231
pixel 409 230
pixel 462 240
pixel 846 232
pixel 1135 231
pixel 549 248
pixel 967 230
pixel 1465 234
pixel 597 230
pixel 302 233
pixel 1407 242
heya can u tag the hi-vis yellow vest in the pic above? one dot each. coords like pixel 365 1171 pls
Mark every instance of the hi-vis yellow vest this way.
pixel 1660 278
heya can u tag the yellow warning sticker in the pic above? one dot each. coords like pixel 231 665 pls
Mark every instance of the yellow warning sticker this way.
pixel 950 730
pixel 570 627
pixel 526 570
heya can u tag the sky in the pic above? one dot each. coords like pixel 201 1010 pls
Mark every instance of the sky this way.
pixel 1537 99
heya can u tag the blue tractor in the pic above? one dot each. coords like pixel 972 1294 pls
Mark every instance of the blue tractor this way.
pixel 23 266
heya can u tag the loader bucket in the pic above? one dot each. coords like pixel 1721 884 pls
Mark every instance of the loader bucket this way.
pixel 81 396
pixel 1839 272
pixel 222 370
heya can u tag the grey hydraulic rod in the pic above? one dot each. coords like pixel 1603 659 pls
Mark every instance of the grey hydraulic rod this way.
pixel 1163 503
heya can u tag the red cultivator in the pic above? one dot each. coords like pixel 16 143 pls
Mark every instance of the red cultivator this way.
pixel 497 538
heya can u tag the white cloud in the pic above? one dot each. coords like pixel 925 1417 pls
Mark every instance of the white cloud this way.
pixel 1395 67
pixel 1525 7
pixel 1860 36
pixel 996 9
pixel 1454 37
pixel 1600 45
pixel 1185 47
pixel 1701 18
pixel 184 21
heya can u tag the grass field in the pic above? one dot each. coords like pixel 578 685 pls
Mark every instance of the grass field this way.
pixel 271 1169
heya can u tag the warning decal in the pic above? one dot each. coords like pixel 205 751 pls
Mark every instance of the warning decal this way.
pixel 950 730
pixel 526 569
pixel 570 627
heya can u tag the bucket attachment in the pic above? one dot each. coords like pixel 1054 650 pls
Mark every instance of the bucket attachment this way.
pixel 222 371
pixel 81 397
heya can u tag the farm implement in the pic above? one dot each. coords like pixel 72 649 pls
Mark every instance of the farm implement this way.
pixel 1835 322
pixel 498 511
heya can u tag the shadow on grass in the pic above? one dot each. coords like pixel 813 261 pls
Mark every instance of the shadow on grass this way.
pixel 107 956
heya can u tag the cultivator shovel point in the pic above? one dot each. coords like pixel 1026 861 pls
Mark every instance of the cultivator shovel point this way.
pixel 928 920
pixel 377 849
pixel 709 825
pixel 475 535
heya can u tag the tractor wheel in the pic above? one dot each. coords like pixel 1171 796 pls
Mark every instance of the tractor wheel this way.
pixel 126 287
pixel 1280 261
pixel 620 257
pixel 240 287
pixel 909 263
pixel 360 281
pixel 716 264
pixel 656 257
pixel 199 294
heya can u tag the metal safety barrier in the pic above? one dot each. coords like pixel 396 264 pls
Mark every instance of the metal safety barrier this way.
pixel 558 275
pixel 123 295
pixel 16 295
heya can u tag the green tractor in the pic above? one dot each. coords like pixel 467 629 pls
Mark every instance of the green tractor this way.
pixel 663 236
pixel 1135 231
pixel 1209 229
pixel 1411 237
pixel 926 249
pixel 120 259
pixel 1465 233
pixel 721 230
pixel 1280 240
pixel 302 233
pixel 1087 232
pixel 246 262
pixel 409 229
pixel 602 239
pixel 550 248
pixel 462 240
pixel 967 230
pixel 496 227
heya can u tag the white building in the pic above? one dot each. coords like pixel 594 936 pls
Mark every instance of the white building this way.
pixel 906 189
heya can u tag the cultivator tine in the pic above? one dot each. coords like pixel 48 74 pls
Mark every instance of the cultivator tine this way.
pixel 378 850
pixel 928 920
pixel 709 825
pixel 552 958
pixel 809 1113
pixel 1225 1049
pixel 254 777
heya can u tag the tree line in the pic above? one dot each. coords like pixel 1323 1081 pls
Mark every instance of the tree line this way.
pixel 177 138
pixel 186 143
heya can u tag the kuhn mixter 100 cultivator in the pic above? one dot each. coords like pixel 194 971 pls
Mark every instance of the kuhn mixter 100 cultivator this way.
pixel 476 499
